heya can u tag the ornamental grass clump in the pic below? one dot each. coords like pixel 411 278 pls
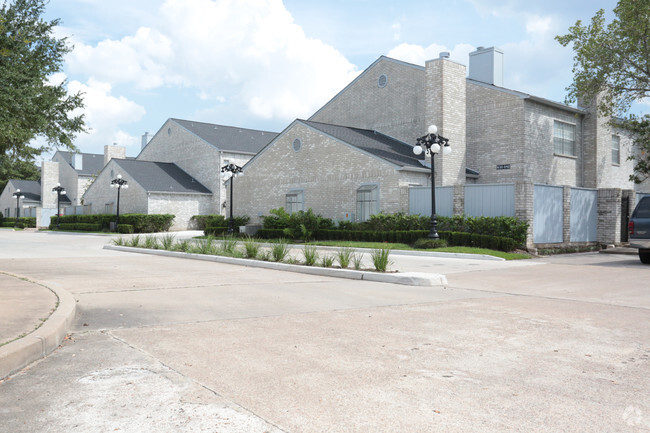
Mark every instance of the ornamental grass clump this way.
pixel 251 249
pixel 380 259
pixel 229 245
pixel 311 255
pixel 356 260
pixel 135 241
pixel 279 250
pixel 167 241
pixel 327 261
pixel 344 255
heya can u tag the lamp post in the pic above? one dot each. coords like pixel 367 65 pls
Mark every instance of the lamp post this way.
pixel 59 190
pixel 432 142
pixel 118 183
pixel 229 172
pixel 17 195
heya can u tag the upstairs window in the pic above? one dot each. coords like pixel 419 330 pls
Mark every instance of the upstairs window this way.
pixel 616 150
pixel 564 138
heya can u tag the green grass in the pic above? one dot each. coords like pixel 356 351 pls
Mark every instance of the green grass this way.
pixel 406 247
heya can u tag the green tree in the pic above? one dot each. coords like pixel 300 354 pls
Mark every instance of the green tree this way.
pixel 30 105
pixel 612 62
pixel 16 168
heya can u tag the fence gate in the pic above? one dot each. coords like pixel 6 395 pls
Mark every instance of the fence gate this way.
pixel 547 214
pixel 625 217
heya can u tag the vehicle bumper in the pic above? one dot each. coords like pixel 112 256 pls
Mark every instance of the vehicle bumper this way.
pixel 642 244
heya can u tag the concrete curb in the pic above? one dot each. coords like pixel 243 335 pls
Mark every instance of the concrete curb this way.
pixel 405 278
pixel 41 342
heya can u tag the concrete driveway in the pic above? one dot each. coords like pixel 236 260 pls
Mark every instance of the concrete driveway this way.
pixel 166 344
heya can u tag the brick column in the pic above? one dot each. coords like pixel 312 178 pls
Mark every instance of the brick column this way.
pixel 524 207
pixel 459 199
pixel 609 216
pixel 445 107
pixel 49 179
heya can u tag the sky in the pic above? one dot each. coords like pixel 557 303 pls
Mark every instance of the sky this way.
pixel 261 64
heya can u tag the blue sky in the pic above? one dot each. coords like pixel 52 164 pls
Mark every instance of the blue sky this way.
pixel 262 63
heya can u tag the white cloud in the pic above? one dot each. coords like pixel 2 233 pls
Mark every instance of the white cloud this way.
pixel 539 25
pixel 103 114
pixel 418 54
pixel 248 52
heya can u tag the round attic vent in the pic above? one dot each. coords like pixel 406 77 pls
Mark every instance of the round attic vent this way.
pixel 382 81
pixel 297 144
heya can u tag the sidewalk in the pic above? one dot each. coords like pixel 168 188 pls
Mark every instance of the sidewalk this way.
pixel 33 321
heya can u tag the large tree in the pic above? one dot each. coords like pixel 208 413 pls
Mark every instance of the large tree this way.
pixel 31 106
pixel 612 62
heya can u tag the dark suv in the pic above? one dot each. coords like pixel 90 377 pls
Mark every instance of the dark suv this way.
pixel 639 228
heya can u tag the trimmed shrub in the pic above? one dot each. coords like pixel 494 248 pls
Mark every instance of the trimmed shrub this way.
pixel 143 223
pixel 426 243
pixel 125 228
pixel 298 225
pixel 217 231
pixel 22 222
pixel 204 221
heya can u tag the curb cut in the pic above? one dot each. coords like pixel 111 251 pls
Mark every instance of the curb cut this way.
pixel 404 278
pixel 42 341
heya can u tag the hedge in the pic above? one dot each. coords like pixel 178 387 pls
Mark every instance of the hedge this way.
pixel 125 228
pixel 22 222
pixel 141 223
pixel 82 227
pixel 205 221
pixel 218 230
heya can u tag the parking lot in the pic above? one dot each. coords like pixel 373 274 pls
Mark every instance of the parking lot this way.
pixel 169 344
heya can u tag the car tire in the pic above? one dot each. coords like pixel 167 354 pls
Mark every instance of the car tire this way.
pixel 644 256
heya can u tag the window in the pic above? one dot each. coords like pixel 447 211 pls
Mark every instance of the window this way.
pixel 367 202
pixel 564 138
pixel 294 201
pixel 108 208
pixel 616 149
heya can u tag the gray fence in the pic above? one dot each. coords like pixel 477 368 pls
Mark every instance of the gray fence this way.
pixel 420 200
pixel 547 214
pixel 584 215
pixel 490 200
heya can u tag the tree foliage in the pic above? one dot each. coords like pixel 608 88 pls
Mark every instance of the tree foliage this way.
pixel 31 105
pixel 612 67
pixel 16 168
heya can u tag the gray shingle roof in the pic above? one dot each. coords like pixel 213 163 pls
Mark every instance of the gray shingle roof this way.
pixel 91 163
pixel 373 142
pixel 31 189
pixel 229 138
pixel 161 176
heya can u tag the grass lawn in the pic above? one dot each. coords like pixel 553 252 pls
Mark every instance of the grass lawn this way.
pixel 405 247
pixel 399 246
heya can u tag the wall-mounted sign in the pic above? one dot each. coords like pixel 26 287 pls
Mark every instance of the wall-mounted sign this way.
pixel 503 167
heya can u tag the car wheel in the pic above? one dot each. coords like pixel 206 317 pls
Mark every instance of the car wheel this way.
pixel 644 255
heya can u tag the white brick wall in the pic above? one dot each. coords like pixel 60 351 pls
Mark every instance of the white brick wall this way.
pixel 328 171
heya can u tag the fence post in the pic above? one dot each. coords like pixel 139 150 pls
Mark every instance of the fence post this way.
pixel 459 199
pixel 609 216
pixel 524 207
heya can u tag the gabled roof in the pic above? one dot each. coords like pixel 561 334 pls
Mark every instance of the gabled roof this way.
pixel 31 190
pixel 229 138
pixel 91 163
pixel 364 72
pixel 161 176
pixel 375 143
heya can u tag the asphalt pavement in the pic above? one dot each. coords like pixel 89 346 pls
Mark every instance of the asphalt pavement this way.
pixel 150 343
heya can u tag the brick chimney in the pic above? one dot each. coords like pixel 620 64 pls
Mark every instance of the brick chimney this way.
pixel 445 108
pixel 114 151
